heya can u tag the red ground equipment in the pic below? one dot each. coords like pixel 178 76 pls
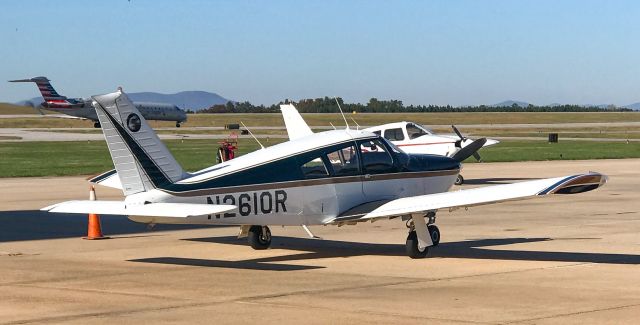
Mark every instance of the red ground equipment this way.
pixel 227 149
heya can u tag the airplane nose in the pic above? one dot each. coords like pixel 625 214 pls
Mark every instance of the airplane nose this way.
pixel 182 114
pixel 422 162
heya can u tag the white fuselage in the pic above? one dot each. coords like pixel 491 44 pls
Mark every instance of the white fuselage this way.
pixel 150 111
pixel 414 138
pixel 301 203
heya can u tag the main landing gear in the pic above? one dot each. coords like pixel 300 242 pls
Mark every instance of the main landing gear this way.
pixel 96 125
pixel 422 234
pixel 177 124
pixel 459 180
pixel 259 237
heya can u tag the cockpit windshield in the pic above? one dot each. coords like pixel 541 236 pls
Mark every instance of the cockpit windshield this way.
pixel 393 147
pixel 414 130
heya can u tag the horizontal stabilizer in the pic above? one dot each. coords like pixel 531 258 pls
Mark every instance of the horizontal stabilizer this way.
pixel 175 210
pixel 108 179
pixel 490 194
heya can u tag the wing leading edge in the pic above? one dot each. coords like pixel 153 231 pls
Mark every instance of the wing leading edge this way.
pixel 171 210
pixel 488 195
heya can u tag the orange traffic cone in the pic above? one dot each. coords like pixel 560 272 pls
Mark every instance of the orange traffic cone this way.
pixel 95 229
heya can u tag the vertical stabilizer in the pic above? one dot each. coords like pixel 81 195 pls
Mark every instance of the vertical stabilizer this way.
pixel 46 89
pixel 293 121
pixel 142 161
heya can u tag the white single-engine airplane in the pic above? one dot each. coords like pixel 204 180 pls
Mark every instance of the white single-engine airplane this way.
pixel 415 138
pixel 411 137
pixel 81 108
pixel 330 178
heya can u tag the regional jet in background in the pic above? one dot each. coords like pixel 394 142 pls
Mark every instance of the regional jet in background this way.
pixel 411 137
pixel 81 108
pixel 330 178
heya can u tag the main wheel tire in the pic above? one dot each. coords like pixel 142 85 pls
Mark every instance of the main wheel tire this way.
pixel 459 180
pixel 177 124
pixel 258 240
pixel 412 247
pixel 96 125
pixel 435 234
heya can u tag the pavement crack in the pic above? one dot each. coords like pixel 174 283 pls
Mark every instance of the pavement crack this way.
pixel 369 312
pixel 573 313
pixel 99 291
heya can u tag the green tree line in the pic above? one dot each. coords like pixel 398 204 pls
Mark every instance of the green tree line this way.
pixel 328 105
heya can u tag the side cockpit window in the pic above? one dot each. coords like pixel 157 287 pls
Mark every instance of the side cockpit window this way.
pixel 334 161
pixel 376 159
pixel 344 161
pixel 415 131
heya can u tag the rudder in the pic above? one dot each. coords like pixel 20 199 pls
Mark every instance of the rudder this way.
pixel 142 161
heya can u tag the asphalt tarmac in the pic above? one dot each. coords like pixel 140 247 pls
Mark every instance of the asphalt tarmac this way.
pixel 565 259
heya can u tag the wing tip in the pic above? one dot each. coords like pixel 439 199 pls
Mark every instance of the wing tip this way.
pixel 577 184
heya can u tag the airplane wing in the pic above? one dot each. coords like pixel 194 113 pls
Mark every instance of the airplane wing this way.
pixel 485 195
pixel 175 210
pixel 293 121
pixel 108 179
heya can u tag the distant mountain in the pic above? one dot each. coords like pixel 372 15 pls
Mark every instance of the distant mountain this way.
pixel 509 103
pixel 634 106
pixel 193 100
pixel 596 105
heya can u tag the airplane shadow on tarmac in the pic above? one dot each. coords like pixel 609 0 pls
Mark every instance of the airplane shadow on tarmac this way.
pixel 319 249
pixel 35 225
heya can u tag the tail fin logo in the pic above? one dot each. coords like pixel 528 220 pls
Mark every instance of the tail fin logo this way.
pixel 133 122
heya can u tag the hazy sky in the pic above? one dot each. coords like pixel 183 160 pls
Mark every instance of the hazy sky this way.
pixel 421 52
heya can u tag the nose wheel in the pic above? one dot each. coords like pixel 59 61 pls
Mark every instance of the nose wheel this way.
pixel 459 180
pixel 177 124
pixel 259 237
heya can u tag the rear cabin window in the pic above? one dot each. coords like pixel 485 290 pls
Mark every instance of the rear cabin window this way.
pixel 375 157
pixel 394 134
pixel 344 161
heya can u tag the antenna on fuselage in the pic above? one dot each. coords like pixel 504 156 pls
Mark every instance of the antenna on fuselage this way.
pixel 354 121
pixel 254 137
pixel 341 112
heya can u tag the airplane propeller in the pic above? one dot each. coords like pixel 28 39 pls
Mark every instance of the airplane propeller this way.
pixel 469 150
pixel 455 129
